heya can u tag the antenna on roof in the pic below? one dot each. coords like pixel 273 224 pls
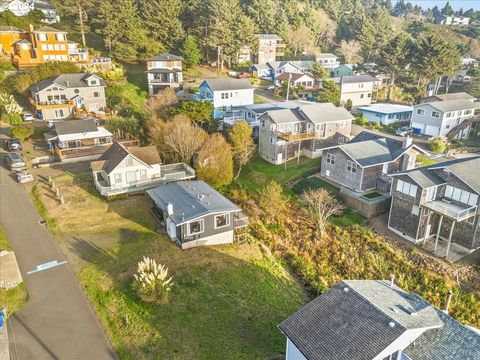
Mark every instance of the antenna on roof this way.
pixel 392 281
pixel 449 300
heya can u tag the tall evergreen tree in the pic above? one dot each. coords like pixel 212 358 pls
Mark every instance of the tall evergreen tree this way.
pixel 264 14
pixel 191 52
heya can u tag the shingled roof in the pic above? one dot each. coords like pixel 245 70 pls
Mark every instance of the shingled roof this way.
pixel 78 80
pixel 224 84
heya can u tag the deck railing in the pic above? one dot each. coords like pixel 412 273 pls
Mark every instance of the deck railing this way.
pixel 289 136
pixel 454 212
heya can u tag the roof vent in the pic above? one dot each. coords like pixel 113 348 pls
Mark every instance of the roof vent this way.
pixel 346 289
pixel 391 324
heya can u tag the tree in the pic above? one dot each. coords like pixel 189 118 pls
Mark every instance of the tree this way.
pixel 351 51
pixel 200 112
pixel 178 139
pixel 323 29
pixel 321 205
pixel 273 202
pixel 191 52
pixel 416 28
pixel 22 132
pixel 319 72
pixel 214 162
pixel 263 13
pixel 348 105
pixel 328 92
pixel 123 126
pixel 298 39
pixel 447 9
pixel 158 106
pixel 243 147
pixel 376 31
pixel 161 18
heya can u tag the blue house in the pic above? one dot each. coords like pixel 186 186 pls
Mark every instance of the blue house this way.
pixel 342 70
pixel 386 113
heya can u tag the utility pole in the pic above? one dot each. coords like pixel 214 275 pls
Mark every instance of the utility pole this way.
pixel 219 52
pixel 80 19
pixel 288 84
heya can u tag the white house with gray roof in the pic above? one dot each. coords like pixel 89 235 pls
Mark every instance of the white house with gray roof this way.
pixel 386 113
pixel 195 214
pixel 328 60
pixel 449 96
pixel 59 97
pixel 356 88
pixel 449 118
pixel 376 320
pixel 225 94
pixel 305 130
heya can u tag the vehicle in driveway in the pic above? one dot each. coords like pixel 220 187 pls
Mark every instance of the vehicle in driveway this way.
pixel 404 131
pixel 12 145
pixel 244 75
pixel 14 161
pixel 28 117
pixel 24 177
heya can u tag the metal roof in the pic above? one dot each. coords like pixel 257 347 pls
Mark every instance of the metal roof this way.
pixel 11 29
pixel 48 29
pixel 224 84
pixel 75 127
pixel 466 169
pixel 269 37
pixel 190 200
pixel 386 108
pixel 455 96
pixel 315 113
pixel 451 105
pixel 165 57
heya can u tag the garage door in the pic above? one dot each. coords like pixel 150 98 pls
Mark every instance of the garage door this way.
pixel 431 130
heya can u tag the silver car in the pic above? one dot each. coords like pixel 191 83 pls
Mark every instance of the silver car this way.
pixel 14 162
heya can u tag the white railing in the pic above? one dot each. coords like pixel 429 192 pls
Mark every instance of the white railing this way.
pixel 451 211
pixel 231 120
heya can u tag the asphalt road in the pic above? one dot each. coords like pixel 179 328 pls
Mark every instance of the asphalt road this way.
pixel 57 322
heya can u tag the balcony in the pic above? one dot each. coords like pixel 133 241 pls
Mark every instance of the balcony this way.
pixel 453 211
pixel 83 151
pixel 52 104
pixel 240 220
pixel 78 51
pixel 290 137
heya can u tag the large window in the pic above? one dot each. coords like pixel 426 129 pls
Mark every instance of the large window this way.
pixel 351 167
pixel 461 196
pixel 222 220
pixel 118 178
pixel 420 112
pixel 330 159
pixel 435 114
pixel 129 161
pixel 143 174
pixel 406 188
pixel 195 227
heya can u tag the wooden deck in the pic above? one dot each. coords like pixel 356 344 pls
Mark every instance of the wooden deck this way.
pixel 290 137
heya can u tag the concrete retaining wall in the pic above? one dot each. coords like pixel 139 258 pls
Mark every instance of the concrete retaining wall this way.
pixel 368 208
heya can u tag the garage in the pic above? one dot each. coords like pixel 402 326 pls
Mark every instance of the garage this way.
pixel 432 130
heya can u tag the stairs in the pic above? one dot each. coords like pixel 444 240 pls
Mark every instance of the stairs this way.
pixel 462 126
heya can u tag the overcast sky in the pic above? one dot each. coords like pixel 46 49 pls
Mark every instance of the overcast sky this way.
pixel 456 4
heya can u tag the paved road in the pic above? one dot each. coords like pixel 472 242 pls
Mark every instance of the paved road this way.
pixel 57 322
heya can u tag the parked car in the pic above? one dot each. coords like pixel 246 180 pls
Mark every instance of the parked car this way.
pixel 24 177
pixel 244 75
pixel 12 145
pixel 404 131
pixel 271 88
pixel 14 162
pixel 28 117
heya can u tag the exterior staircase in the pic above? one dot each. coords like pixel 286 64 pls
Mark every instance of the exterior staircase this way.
pixel 462 126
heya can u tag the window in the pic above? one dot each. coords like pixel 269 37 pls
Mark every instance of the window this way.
pixel 222 220
pixel 60 37
pixel 44 47
pixel 50 46
pixel 56 47
pixel 351 167
pixel 467 112
pixel 449 114
pixel 360 86
pixel 102 141
pixel 420 112
pixel 406 188
pixel 96 94
pixel 330 159
pixel 62 46
pixel 369 95
pixel 435 114
pixel 461 196
pixel 263 123
pixel 415 210
pixel 224 95
pixel 129 161
pixel 361 96
pixel 143 174
pixel 341 140
pixel 447 127
pixel 76 91
pixel 391 116
pixel 118 178
pixel 93 82
pixel 195 227
pixel 42 37
pixel 64 57
pixel 59 113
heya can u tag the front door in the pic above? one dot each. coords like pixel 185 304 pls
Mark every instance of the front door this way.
pixel 79 102
pixel 131 177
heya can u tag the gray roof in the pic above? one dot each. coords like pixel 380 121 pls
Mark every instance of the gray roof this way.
pixel 455 96
pixel 190 200
pixel 48 29
pixel 75 127
pixel 165 57
pixel 66 80
pixel 224 84
pixel 315 113
pixel 453 341
pixel 326 55
pixel 163 71
pixel 44 5
pixel 269 37
pixel 423 177
pixel 452 105
pixel 369 149
pixel 352 79
pixel 116 153
pixel 466 169
pixel 11 29
pixel 338 325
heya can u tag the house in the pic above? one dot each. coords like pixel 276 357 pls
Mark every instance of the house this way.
pixel 294 67
pixel 305 130
pixel 451 118
pixel 225 93
pixel 244 55
pixel 122 169
pixel 376 320
pixel 342 70
pixel 262 71
pixel 357 88
pixel 462 77
pixel 33 47
pixel 386 113
pixel 68 94
pixel 450 96
pixel 78 139
pixel 438 202
pixel 303 82
pixel 270 48
pixel 452 20
pixel 363 163
pixel 328 60
pixel 49 11
pixel 194 214
pixel 23 8
pixel 469 62
pixel 164 70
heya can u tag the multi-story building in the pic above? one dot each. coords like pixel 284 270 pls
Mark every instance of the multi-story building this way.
pixel 438 203
pixel 62 96
pixel 33 47
pixel 270 48
pixel 164 70
pixel 329 61
pixel 452 20
pixel 357 88
pixel 305 130
pixel 451 118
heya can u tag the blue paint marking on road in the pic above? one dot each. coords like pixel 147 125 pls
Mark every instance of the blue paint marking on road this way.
pixel 46 266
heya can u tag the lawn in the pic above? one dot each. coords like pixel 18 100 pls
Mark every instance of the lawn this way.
pixel 226 301
pixel 313 183
pixel 425 160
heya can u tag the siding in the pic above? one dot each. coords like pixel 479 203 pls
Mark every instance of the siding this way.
pixel 209 229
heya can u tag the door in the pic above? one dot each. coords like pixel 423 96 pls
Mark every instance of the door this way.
pixel 279 158
pixel 131 177
pixel 79 102
pixel 432 130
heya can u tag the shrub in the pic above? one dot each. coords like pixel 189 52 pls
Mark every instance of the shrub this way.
pixel 361 121
pixel 152 279
pixel 112 73
pixel 439 144
pixel 9 109
pixel 22 132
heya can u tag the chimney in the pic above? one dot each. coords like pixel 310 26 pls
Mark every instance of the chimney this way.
pixel 170 209
pixel 30 27
pixel 408 141
pixel 449 300
pixel 392 281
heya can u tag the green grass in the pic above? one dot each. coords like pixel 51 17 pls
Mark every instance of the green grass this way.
pixel 35 196
pixel 425 160
pixel 259 172
pixel 3 240
pixel 313 183
pixel 348 218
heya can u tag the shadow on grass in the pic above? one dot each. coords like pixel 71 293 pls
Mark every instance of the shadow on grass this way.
pixel 222 306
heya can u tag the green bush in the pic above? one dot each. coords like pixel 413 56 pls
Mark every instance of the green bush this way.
pixel 22 132
pixel 361 121
pixel 439 144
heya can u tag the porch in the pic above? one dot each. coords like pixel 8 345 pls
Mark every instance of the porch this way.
pixel 453 211
pixel 451 253
pixel 240 220
pixel 77 152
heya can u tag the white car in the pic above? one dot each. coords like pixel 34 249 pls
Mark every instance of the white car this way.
pixel 272 87
pixel 28 117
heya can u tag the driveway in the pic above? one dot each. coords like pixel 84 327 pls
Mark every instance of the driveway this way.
pixel 57 322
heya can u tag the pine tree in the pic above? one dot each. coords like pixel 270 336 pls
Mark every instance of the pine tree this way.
pixel 191 52
pixel 329 92
pixel 264 15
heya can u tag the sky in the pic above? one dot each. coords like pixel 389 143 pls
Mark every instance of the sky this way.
pixel 456 4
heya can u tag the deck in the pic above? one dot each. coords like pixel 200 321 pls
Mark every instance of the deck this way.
pixel 453 211
pixel 291 137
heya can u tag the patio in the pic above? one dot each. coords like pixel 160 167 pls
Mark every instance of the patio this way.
pixel 455 253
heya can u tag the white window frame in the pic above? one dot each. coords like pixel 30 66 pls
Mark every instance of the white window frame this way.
pixel 421 112
pixel 117 178
pixel 143 174
pixel 415 210
pixel 436 114
pixel 331 159
pixel 227 217
pixel 202 227
pixel 129 162
pixel 352 167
